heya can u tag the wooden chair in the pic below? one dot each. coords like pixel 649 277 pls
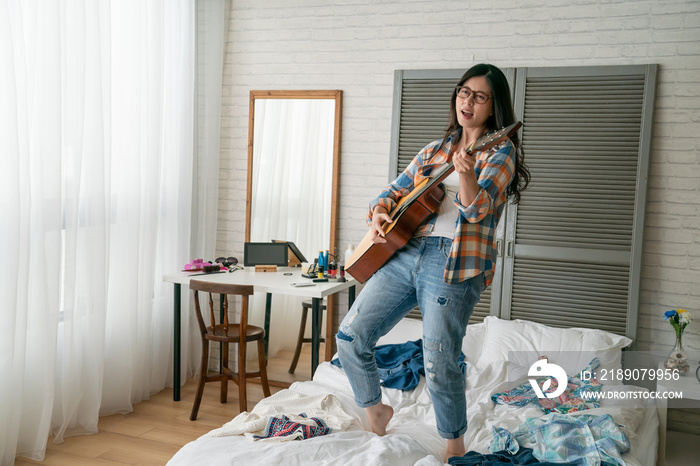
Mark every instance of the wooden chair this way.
pixel 305 306
pixel 226 333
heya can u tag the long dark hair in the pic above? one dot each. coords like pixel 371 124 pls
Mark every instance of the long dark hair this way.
pixel 503 115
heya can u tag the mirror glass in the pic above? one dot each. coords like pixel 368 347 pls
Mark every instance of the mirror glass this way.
pixel 292 191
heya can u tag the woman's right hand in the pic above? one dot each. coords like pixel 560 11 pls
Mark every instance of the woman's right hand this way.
pixel 380 216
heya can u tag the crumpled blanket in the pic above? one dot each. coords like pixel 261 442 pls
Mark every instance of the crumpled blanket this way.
pixel 584 439
pixel 254 424
pixel 524 456
pixel 401 365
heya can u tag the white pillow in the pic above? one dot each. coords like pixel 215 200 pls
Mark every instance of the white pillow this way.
pixel 523 342
pixel 412 330
pixel 405 330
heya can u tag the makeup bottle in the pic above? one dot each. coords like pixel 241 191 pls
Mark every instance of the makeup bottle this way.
pixel 321 264
pixel 341 272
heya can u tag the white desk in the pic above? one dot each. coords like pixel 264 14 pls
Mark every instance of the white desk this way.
pixel 689 385
pixel 265 282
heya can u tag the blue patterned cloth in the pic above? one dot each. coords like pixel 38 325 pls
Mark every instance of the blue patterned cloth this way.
pixel 281 426
pixel 568 402
pixel 585 440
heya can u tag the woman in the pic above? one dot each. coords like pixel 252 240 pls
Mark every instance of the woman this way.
pixel 449 261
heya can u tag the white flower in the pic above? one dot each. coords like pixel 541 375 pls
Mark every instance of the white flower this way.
pixel 684 317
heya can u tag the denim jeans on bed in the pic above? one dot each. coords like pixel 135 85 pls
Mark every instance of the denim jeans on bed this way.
pixel 413 277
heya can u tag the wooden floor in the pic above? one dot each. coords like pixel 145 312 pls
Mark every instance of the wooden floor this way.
pixel 159 427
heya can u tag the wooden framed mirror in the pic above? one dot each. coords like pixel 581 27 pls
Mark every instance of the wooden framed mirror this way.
pixel 292 184
pixel 293 168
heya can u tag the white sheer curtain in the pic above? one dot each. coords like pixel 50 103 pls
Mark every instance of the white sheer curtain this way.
pixel 96 140
pixel 288 174
pixel 211 39
pixel 212 18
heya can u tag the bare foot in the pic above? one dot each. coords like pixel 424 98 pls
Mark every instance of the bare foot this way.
pixel 455 447
pixel 379 416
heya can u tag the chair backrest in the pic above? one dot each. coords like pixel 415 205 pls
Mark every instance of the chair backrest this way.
pixel 223 289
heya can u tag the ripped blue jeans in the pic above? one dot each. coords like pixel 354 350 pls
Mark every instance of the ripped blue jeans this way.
pixel 413 277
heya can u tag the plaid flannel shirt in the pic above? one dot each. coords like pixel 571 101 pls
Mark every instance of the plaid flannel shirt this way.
pixel 474 246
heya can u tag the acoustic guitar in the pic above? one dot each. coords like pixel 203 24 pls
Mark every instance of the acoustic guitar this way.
pixel 411 211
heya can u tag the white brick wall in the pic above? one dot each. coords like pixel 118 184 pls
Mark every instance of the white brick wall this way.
pixel 355 45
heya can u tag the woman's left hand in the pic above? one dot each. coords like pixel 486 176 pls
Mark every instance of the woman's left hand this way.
pixel 463 162
pixel 468 184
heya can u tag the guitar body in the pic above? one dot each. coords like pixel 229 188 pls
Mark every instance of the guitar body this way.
pixel 410 212
pixel 369 257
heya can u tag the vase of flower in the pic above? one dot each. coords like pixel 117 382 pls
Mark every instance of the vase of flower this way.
pixel 677 361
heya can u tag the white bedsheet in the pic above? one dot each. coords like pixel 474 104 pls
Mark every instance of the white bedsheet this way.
pixel 411 437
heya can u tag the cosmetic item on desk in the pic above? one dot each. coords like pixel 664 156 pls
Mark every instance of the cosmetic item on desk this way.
pixel 311 270
pixel 341 277
pixel 320 259
pixel 319 280
pixel 320 271
pixel 194 265
pixel 326 260
pixel 209 268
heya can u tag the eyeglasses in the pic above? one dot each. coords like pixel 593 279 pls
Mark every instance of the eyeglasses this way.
pixel 230 262
pixel 479 97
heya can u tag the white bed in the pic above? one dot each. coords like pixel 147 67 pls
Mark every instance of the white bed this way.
pixel 411 437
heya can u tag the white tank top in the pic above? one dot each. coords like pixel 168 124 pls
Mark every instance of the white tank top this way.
pixel 446 221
